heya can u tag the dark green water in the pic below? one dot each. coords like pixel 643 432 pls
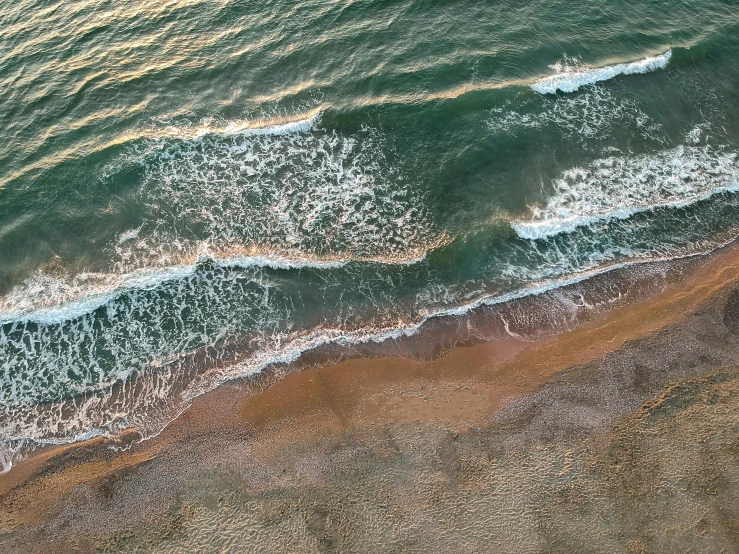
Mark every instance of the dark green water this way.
pixel 186 182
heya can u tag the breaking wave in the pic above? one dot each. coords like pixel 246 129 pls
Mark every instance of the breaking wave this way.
pixel 569 78
pixel 48 298
pixel 619 187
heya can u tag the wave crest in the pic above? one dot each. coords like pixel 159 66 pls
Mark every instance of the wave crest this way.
pixel 569 79
pixel 619 187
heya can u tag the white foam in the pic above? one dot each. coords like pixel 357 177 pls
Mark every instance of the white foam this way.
pixel 289 191
pixel 150 405
pixel 569 78
pixel 594 114
pixel 129 235
pixel 98 351
pixel 297 196
pixel 620 187
pixel 48 299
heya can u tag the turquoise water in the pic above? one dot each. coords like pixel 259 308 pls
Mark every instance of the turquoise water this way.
pixel 192 191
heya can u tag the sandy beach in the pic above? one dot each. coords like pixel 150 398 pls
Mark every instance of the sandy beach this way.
pixel 621 434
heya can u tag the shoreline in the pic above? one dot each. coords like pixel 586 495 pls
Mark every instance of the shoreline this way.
pixel 483 321
pixel 460 388
pixel 415 352
pixel 430 337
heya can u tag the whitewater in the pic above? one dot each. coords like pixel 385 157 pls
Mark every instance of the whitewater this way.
pixel 572 78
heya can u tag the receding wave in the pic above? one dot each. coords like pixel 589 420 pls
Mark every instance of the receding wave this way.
pixel 619 187
pixel 570 78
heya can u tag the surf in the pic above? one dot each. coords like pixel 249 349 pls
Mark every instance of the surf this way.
pixel 570 79
pixel 150 406
pixel 53 299
pixel 618 187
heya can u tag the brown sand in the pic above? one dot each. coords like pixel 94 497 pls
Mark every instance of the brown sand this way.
pixel 494 389
pixel 469 384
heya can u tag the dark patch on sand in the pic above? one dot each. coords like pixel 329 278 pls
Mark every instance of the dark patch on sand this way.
pixel 731 312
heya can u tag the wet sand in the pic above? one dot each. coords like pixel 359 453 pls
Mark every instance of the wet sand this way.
pixel 619 435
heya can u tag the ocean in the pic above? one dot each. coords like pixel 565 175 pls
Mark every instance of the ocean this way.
pixel 193 192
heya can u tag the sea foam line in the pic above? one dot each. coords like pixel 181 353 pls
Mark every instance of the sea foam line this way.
pixel 146 279
pixel 570 80
pixel 534 230
pixel 620 187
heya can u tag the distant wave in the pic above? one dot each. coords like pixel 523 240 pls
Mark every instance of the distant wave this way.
pixel 571 79
pixel 619 187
